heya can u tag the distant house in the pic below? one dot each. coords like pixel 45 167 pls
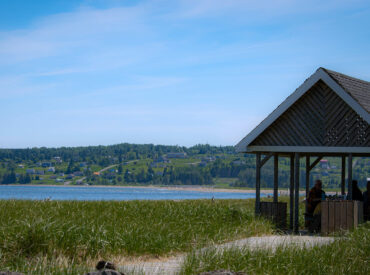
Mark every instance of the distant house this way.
pixel 83 164
pixel 30 171
pixel 238 162
pixel 180 155
pixel 59 180
pixel 78 174
pixel 96 174
pixel 20 165
pixel 46 164
pixel 324 164
pixel 202 164
pixel 69 176
pixel 160 162
pixel 53 177
pixel 51 169
pixel 40 172
pixel 209 159
pixel 57 159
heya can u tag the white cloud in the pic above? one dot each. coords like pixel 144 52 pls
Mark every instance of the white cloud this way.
pixel 253 9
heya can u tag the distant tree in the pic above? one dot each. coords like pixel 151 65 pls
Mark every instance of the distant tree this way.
pixel 120 169
pixel 28 179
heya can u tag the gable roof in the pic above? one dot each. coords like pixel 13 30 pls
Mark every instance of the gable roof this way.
pixel 357 88
pixel 355 92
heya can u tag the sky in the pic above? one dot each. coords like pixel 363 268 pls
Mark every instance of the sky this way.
pixel 185 72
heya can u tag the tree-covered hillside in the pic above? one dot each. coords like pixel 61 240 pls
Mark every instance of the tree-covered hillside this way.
pixel 133 164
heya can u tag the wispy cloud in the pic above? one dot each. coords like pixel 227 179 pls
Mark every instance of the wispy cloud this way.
pixel 201 70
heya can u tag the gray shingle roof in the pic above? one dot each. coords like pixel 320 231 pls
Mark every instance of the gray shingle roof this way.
pixel 358 89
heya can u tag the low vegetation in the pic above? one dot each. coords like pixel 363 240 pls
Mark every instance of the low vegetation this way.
pixel 68 237
pixel 346 255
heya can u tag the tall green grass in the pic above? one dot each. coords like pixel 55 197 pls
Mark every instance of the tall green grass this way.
pixel 349 254
pixel 64 237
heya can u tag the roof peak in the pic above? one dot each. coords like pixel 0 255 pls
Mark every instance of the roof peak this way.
pixel 331 72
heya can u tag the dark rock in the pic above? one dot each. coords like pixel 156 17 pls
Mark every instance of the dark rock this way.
pixel 222 272
pixel 105 272
pixel 105 265
pixel 105 268
pixel 10 273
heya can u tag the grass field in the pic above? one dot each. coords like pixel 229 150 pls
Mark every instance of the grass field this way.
pixel 347 255
pixel 68 237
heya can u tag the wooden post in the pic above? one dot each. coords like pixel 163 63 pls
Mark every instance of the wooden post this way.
pixel 296 193
pixel 258 184
pixel 349 196
pixel 343 179
pixel 308 163
pixel 276 176
pixel 291 192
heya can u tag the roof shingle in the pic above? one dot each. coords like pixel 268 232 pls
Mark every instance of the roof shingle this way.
pixel 358 89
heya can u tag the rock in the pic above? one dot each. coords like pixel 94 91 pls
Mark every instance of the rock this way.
pixel 105 272
pixel 222 272
pixel 10 273
pixel 105 268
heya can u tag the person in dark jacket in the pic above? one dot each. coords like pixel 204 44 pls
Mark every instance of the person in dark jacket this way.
pixel 356 192
pixel 313 215
pixel 366 197
pixel 314 196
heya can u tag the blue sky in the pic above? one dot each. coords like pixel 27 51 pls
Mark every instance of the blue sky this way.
pixel 164 71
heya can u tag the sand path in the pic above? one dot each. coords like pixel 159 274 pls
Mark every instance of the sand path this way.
pixel 172 265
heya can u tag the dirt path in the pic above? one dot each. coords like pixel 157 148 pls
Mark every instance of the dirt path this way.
pixel 172 265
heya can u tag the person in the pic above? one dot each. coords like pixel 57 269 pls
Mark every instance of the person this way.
pixel 366 197
pixel 313 215
pixel 314 197
pixel 356 192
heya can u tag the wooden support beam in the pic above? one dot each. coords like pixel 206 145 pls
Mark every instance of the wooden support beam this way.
pixel 308 161
pixel 307 175
pixel 266 158
pixel 276 176
pixel 315 162
pixel 349 195
pixel 291 193
pixel 258 184
pixel 296 193
pixel 343 178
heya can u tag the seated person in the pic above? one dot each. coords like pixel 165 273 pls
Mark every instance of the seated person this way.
pixel 366 197
pixel 314 197
pixel 313 215
pixel 356 192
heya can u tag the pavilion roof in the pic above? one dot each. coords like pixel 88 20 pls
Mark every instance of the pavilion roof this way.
pixel 328 113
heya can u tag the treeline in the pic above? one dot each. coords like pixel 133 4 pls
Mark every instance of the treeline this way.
pixel 99 154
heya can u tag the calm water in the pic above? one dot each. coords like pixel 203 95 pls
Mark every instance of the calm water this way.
pixel 110 193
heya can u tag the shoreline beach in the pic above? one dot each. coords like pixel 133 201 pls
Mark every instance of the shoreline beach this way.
pixel 206 189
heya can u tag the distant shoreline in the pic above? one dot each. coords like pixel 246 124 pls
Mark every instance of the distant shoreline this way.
pixel 204 189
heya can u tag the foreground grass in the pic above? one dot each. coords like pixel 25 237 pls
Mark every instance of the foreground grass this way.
pixel 68 237
pixel 347 255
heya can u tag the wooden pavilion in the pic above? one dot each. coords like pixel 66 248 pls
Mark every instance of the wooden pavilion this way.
pixel 328 115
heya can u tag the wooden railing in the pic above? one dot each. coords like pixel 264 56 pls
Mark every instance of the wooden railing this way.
pixel 340 215
pixel 275 211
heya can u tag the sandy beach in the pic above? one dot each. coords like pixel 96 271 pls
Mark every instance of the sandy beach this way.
pixel 197 188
